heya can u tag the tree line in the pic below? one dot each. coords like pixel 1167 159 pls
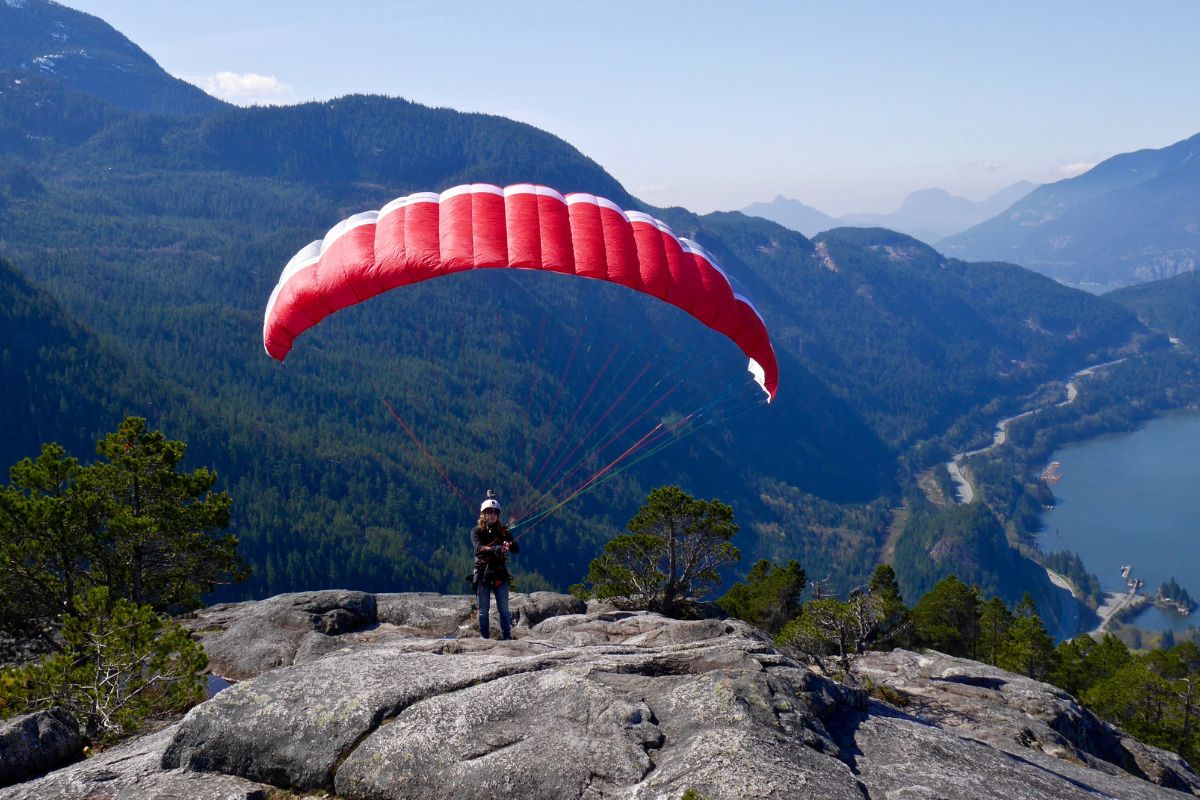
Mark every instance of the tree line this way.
pixel 93 561
pixel 95 558
pixel 668 561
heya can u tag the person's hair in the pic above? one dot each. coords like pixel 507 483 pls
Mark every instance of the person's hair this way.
pixel 482 524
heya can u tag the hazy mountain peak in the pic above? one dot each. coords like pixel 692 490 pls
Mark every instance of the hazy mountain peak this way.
pixel 1131 218
pixel 934 202
pixel 792 214
pixel 928 214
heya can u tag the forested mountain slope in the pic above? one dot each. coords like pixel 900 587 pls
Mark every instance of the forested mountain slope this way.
pixel 1168 305
pixel 166 234
pixel 85 53
pixel 1129 219
pixel 59 381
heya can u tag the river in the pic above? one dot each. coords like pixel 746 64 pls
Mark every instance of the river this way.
pixel 1134 498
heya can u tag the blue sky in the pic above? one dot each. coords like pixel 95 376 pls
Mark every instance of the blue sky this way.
pixel 847 106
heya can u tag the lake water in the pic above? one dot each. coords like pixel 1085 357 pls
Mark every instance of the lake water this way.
pixel 1134 498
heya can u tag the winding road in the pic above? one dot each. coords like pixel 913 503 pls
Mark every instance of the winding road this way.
pixel 965 493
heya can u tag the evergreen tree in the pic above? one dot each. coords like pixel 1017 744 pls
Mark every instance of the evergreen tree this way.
pixel 1028 649
pixel 946 618
pixel 1072 673
pixel 1136 699
pixel 156 546
pixel 1181 666
pixel 995 621
pixel 1082 661
pixel 831 627
pixel 895 623
pixel 47 541
pixel 130 523
pixel 769 597
pixel 670 556
pixel 825 628
pixel 119 664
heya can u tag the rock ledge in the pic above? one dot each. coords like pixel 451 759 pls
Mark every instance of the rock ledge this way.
pixel 389 696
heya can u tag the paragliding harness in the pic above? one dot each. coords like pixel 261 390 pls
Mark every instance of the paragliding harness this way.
pixel 479 576
pixel 491 569
pixel 491 573
pixel 483 575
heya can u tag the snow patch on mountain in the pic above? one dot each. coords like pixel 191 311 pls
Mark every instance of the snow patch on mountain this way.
pixel 45 63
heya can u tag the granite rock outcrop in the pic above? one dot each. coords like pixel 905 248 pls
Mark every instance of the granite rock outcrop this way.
pixel 395 696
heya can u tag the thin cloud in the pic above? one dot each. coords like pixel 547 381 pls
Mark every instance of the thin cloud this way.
pixel 245 87
pixel 983 166
pixel 1077 168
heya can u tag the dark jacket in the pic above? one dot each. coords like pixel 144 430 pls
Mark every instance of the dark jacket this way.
pixel 491 561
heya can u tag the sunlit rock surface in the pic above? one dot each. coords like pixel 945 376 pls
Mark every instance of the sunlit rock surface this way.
pixel 395 696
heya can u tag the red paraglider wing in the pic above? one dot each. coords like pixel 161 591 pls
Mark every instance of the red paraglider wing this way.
pixel 480 226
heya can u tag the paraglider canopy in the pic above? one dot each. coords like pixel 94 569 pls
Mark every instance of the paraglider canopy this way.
pixel 480 226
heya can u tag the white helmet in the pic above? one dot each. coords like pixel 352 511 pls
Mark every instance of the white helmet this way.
pixel 489 505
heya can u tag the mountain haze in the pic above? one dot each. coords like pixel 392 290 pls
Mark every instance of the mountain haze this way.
pixel 932 214
pixel 792 214
pixel 1129 219
pixel 928 214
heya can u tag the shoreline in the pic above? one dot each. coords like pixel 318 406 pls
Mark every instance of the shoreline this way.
pixel 1115 604
pixel 964 491
pixel 1149 529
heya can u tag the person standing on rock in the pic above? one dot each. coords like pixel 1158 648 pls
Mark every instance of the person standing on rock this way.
pixel 492 542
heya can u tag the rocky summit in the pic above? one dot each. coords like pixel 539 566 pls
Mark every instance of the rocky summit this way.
pixel 394 696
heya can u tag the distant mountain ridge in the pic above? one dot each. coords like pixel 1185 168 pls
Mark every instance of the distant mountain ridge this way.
pixel 86 53
pixel 928 214
pixel 793 214
pixel 1132 218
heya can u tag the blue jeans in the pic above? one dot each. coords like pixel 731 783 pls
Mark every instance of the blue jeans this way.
pixel 483 594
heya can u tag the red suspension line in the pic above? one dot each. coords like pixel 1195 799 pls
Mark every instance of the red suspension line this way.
pixel 583 487
pixel 562 382
pixel 543 496
pixel 571 424
pixel 583 440
pixel 428 456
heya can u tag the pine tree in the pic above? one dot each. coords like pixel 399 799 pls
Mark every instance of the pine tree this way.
pixel 824 628
pixel 995 621
pixel 47 540
pixel 1135 698
pixel 120 663
pixel 769 597
pixel 946 618
pixel 895 624
pixel 131 523
pixel 670 556
pixel 156 546
pixel 1028 649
